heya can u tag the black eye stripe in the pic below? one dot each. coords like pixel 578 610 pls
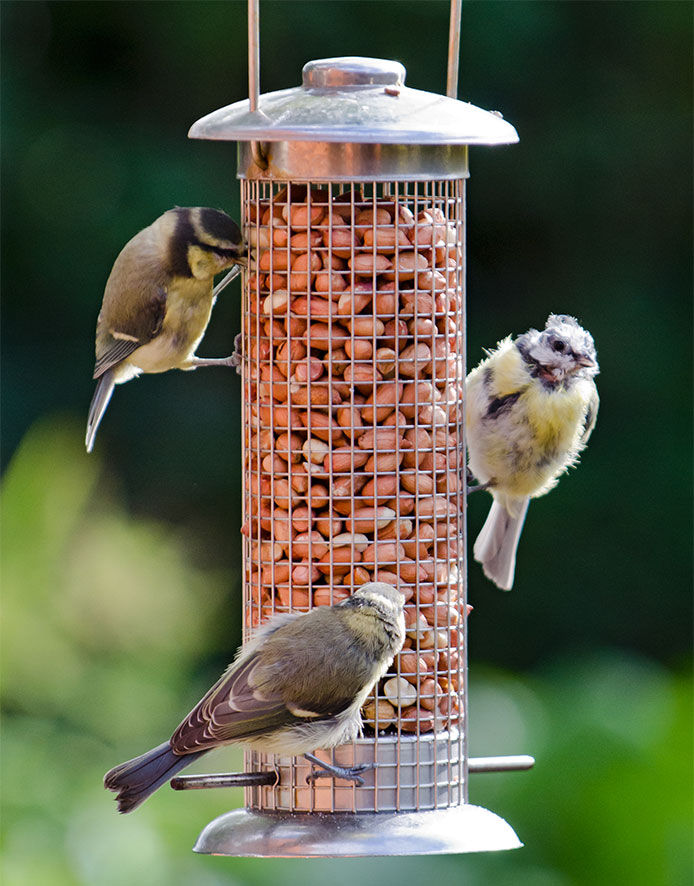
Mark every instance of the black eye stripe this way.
pixel 208 247
pixel 178 247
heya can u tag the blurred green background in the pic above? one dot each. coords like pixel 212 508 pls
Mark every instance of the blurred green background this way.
pixel 121 569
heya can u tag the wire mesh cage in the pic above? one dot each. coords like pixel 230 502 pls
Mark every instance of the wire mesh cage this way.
pixel 353 363
pixel 353 370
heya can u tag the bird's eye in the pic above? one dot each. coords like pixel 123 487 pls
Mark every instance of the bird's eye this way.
pixel 558 345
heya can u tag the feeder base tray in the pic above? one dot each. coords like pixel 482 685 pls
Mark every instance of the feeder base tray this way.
pixel 458 829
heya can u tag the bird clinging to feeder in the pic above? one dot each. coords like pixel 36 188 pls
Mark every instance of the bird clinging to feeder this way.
pixel 158 300
pixel 297 686
pixel 531 407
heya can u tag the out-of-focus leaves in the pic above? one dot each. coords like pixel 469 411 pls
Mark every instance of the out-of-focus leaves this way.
pixel 83 582
pixel 609 799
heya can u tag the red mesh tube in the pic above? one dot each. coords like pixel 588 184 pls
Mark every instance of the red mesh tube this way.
pixel 353 453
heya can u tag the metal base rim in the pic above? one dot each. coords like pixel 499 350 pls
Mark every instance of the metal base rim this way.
pixel 459 829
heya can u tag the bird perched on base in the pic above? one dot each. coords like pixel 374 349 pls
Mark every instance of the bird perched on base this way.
pixel 158 300
pixel 531 406
pixel 297 686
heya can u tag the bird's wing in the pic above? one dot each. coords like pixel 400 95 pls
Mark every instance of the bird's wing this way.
pixel 231 710
pixel 119 333
pixel 591 415
pixel 235 708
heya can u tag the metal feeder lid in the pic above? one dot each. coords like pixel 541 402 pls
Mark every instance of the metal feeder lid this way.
pixel 357 100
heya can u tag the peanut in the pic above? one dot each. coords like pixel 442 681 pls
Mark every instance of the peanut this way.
pixel 305 574
pixel 324 337
pixel 379 490
pixel 352 302
pixel 358 349
pixel 299 216
pixel 384 438
pixel 369 519
pixel 309 545
pixel 383 402
pixel 315 450
pixel 328 525
pixel 366 264
pixel 340 240
pixel 383 552
pixel 386 239
pixel 416 719
pixel 337 561
pixel 331 282
pixel 362 376
pixel 409 263
pixel 379 714
pixel 365 326
pixel 413 360
pixel 345 458
pixel 357 540
pixel 311 306
pixel 319 424
pixel 399 692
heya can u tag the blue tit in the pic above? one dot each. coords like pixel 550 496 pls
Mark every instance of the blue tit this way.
pixel 297 686
pixel 158 300
pixel 531 405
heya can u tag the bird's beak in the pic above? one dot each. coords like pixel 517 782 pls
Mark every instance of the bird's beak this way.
pixel 585 360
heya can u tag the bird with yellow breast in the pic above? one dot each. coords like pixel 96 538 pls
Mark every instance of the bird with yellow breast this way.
pixel 158 300
pixel 531 406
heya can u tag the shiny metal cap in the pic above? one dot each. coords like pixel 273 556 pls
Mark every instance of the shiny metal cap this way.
pixel 356 100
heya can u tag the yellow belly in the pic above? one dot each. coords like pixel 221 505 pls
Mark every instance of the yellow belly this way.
pixel 184 325
pixel 523 450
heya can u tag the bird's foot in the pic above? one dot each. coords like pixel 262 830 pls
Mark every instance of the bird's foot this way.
pixel 472 486
pixel 329 770
pixel 479 487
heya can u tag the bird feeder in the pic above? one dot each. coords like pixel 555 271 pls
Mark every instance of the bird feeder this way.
pixel 353 370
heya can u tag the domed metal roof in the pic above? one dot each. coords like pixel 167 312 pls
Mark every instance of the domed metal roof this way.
pixel 356 100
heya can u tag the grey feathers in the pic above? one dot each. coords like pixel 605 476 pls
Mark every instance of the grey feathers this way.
pixel 97 408
pixel 497 543
pixel 297 686
pixel 137 779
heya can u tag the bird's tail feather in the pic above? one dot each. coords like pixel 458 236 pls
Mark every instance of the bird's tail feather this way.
pixel 135 780
pixel 100 400
pixel 497 543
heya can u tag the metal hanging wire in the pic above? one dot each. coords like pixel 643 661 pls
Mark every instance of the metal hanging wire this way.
pixel 454 48
pixel 254 74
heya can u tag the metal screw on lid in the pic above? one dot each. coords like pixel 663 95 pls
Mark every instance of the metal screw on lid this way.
pixel 352 71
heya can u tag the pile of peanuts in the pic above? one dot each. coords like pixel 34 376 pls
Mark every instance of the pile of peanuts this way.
pixel 353 376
